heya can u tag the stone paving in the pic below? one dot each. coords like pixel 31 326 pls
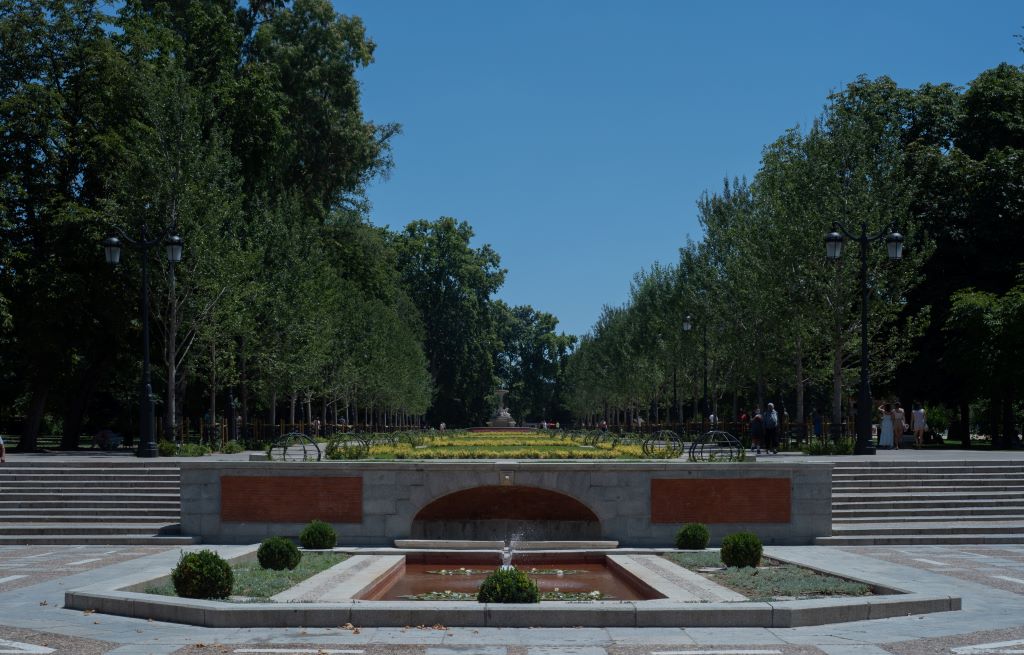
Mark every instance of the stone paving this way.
pixel 992 620
pixel 990 579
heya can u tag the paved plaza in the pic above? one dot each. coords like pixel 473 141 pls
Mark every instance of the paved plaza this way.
pixel 988 578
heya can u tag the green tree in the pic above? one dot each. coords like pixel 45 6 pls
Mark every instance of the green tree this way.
pixel 451 283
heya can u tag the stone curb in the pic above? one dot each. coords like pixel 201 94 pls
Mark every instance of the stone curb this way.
pixel 111 597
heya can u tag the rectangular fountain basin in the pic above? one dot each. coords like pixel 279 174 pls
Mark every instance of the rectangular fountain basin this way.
pixel 577 574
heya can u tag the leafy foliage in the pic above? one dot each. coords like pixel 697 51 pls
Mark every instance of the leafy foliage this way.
pixel 693 536
pixel 278 553
pixel 318 535
pixel 202 574
pixel 508 586
pixel 741 549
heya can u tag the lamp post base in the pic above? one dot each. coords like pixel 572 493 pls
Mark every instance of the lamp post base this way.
pixel 147 450
pixel 864 449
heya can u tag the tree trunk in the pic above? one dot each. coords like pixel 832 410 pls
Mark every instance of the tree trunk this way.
pixel 1009 423
pixel 799 380
pixel 291 416
pixel 75 410
pixel 37 406
pixel 213 390
pixel 965 424
pixel 273 410
pixel 837 378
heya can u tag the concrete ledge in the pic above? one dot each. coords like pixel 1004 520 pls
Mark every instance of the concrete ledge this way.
pixel 118 596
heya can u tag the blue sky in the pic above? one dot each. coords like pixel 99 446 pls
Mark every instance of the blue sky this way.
pixel 576 136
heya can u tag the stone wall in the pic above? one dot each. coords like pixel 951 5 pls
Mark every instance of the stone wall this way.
pixel 634 503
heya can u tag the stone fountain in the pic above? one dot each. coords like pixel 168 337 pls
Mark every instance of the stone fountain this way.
pixel 501 417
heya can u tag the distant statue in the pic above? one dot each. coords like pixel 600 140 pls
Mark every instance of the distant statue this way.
pixel 501 418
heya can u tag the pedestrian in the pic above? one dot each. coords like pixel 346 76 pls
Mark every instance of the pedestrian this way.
pixel 885 427
pixel 443 426
pixel 817 423
pixel 899 424
pixel 919 424
pixel 771 429
pixel 757 431
pixel 712 420
pixel 3 451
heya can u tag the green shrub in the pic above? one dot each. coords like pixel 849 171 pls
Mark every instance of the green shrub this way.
pixel 193 450
pixel 166 448
pixel 693 536
pixel 318 535
pixel 741 549
pixel 508 586
pixel 232 447
pixel 203 574
pixel 278 553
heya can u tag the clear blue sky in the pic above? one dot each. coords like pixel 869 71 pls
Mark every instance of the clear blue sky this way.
pixel 576 136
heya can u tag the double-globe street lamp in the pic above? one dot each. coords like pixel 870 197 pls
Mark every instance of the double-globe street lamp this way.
pixel 687 326
pixel 833 250
pixel 112 250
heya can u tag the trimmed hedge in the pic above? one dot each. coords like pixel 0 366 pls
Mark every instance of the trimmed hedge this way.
pixel 741 549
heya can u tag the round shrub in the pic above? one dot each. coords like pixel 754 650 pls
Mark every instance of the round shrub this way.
pixel 508 586
pixel 202 574
pixel 693 536
pixel 318 535
pixel 741 549
pixel 278 553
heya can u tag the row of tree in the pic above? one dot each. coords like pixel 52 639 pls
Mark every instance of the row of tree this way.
pixel 773 320
pixel 237 126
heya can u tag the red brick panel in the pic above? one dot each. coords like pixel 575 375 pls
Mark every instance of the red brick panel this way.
pixel 281 499
pixel 721 500
pixel 513 503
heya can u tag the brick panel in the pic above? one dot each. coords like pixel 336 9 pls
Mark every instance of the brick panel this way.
pixel 278 499
pixel 721 500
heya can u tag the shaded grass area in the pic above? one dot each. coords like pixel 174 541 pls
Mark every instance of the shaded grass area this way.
pixel 253 581
pixel 770 581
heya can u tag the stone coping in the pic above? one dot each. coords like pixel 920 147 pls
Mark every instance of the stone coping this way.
pixel 513 464
pixel 120 596
pixel 449 544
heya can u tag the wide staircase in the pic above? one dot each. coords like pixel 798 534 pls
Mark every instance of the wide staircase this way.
pixel 91 502
pixel 894 503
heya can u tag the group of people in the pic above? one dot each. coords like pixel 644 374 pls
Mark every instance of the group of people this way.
pixel 764 430
pixel 894 425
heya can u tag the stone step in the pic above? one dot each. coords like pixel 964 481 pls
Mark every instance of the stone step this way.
pixel 72 500
pixel 14 464
pixel 85 513
pixel 938 483
pixel 115 499
pixel 97 540
pixel 156 517
pixel 105 527
pixel 81 485
pixel 920 540
pixel 951 505
pixel 924 513
pixel 87 477
pixel 932 528
pixel 91 506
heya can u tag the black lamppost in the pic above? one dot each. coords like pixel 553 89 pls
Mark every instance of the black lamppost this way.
pixel 687 326
pixel 112 250
pixel 833 249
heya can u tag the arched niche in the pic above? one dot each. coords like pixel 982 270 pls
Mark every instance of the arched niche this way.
pixel 501 512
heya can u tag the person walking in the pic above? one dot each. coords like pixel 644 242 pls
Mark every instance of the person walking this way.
pixel 885 427
pixel 919 423
pixel 757 431
pixel 899 424
pixel 771 429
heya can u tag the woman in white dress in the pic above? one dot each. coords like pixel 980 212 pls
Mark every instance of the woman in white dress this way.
pixel 885 431
pixel 919 423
